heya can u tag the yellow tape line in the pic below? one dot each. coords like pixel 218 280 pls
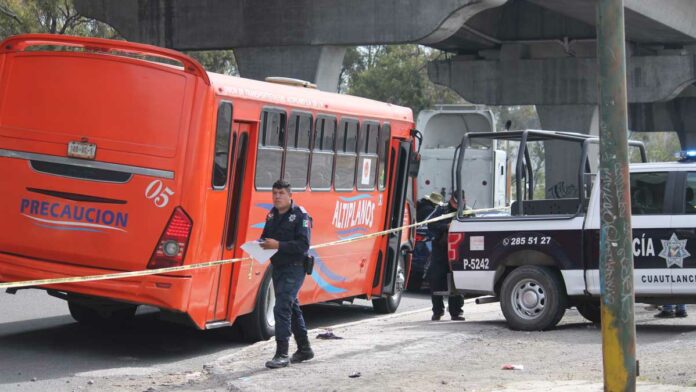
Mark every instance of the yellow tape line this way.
pixel 131 274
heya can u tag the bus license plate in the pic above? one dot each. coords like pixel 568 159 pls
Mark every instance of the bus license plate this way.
pixel 82 150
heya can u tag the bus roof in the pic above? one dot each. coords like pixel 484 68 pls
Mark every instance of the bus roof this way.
pixel 226 85
pixel 306 98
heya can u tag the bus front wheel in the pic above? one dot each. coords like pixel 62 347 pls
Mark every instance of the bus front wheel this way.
pixel 260 324
pixel 389 303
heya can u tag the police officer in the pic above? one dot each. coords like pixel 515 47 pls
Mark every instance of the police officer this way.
pixel 426 206
pixel 287 229
pixel 439 265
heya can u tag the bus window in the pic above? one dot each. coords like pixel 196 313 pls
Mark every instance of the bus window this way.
pixel 269 158
pixel 222 145
pixel 297 152
pixel 323 153
pixel 382 148
pixel 367 155
pixel 346 153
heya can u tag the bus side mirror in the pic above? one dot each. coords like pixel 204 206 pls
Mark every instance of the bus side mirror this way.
pixel 414 165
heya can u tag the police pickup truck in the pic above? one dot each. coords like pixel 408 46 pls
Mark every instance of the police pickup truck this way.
pixel 542 256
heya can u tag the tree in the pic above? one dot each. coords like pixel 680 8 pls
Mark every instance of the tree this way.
pixel 396 74
pixel 61 17
pixel 220 61
pixel 48 16
pixel 660 146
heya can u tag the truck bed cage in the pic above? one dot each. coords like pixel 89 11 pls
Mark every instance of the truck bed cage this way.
pixel 523 167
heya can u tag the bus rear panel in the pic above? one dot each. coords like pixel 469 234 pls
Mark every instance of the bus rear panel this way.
pixel 91 146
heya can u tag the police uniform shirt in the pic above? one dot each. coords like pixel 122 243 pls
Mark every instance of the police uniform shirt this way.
pixel 292 230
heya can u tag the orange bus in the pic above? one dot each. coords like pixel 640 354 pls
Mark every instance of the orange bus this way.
pixel 117 156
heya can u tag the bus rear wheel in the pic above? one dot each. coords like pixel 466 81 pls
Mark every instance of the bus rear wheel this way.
pixel 389 303
pixel 101 315
pixel 260 324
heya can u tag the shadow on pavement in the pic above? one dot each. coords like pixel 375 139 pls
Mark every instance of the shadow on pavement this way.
pixel 55 347
pixel 67 348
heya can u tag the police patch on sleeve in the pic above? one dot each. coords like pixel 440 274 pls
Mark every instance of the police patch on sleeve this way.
pixel 305 223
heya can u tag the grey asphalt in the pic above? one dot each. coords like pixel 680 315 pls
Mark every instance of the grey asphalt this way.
pixel 39 341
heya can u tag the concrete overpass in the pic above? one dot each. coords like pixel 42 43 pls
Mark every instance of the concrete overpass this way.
pixel 503 52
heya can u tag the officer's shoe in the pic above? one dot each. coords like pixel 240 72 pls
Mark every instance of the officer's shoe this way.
pixel 436 317
pixel 280 359
pixel 666 314
pixel 458 317
pixel 680 314
pixel 304 351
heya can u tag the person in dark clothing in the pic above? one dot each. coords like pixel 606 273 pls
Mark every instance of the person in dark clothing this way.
pixel 287 229
pixel 427 205
pixel 669 312
pixel 439 265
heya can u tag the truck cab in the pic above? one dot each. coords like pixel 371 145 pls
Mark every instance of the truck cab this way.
pixel 541 256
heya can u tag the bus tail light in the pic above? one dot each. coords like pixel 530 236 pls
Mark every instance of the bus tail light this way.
pixel 171 248
pixel 453 241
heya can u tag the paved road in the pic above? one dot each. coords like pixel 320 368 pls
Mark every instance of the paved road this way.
pixel 39 339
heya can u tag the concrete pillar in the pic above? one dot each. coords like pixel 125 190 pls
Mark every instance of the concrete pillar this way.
pixel 561 158
pixel 317 64
pixel 683 114
pixel 677 115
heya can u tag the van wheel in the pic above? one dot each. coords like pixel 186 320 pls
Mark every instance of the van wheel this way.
pixel 590 310
pixel 389 303
pixel 260 324
pixel 533 298
pixel 103 316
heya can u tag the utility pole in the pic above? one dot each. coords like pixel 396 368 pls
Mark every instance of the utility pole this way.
pixel 616 254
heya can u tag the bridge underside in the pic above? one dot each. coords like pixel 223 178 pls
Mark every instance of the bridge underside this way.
pixel 503 52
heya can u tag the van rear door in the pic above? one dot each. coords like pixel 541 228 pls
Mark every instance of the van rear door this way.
pixel 92 146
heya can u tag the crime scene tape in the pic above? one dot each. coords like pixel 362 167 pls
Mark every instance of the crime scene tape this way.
pixel 158 271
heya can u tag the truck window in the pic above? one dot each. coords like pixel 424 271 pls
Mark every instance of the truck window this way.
pixel 648 193
pixel 690 196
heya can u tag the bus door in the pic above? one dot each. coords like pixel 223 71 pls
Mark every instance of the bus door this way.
pixel 234 231
pixel 397 198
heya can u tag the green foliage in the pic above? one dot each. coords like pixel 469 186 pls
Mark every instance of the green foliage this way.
pixel 61 17
pixel 219 61
pixel 48 16
pixel 660 146
pixel 522 117
pixel 396 74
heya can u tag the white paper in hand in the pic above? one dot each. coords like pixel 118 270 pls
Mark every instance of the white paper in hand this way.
pixel 254 249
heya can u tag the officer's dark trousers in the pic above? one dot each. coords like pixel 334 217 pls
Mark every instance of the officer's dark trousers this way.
pixel 287 281
pixel 437 277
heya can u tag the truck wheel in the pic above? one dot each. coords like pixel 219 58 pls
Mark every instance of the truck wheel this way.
pixel 103 316
pixel 591 311
pixel 533 298
pixel 260 324
pixel 389 303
